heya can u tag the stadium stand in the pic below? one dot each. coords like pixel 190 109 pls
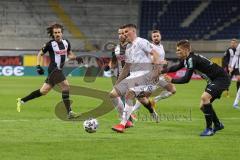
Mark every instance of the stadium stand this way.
pixel 218 19
pixel 23 22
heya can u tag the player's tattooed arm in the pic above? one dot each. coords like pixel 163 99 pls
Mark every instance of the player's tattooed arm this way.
pixel 124 73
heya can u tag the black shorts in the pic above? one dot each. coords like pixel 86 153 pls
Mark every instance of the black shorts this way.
pixel 235 72
pixel 55 77
pixel 217 86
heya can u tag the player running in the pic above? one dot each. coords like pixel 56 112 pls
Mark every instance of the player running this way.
pixel 218 81
pixel 169 88
pixel 138 63
pixel 59 50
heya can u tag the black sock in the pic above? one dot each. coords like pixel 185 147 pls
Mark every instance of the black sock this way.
pixel 66 101
pixel 238 84
pixel 208 113
pixel 32 95
pixel 215 118
pixel 149 107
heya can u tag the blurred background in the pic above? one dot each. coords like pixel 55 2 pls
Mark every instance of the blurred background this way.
pixel 91 27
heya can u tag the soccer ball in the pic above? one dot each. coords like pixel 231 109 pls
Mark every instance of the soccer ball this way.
pixel 90 125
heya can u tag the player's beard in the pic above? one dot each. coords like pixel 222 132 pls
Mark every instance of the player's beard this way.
pixel 156 42
pixel 58 38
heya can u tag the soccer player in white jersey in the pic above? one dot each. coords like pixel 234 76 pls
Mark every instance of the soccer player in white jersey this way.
pixel 236 62
pixel 168 87
pixel 138 63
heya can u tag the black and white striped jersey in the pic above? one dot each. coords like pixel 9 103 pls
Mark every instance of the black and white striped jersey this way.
pixel 235 61
pixel 58 52
pixel 119 57
pixel 228 57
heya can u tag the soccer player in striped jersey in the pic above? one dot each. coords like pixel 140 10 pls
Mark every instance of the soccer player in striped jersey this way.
pixel 227 62
pixel 234 70
pixel 59 50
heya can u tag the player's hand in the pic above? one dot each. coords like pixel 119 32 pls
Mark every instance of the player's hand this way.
pixel 167 78
pixel 79 59
pixel 230 69
pixel 40 70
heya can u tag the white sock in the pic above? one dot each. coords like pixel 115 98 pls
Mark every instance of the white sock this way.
pixel 237 97
pixel 118 104
pixel 162 95
pixel 136 106
pixel 128 109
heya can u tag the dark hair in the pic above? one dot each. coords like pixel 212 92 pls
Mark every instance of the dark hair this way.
pixel 50 29
pixel 184 43
pixel 122 27
pixel 130 26
pixel 156 31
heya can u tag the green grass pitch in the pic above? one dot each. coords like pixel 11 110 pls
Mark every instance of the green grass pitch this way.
pixel 37 134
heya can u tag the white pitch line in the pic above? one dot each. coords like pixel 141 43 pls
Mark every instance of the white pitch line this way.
pixel 179 120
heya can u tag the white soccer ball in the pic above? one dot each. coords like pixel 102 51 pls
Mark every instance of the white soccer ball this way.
pixel 90 125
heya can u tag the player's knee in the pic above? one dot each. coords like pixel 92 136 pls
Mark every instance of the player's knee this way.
pixel 44 91
pixel 171 88
pixel 65 88
pixel 143 100
pixel 113 94
pixel 130 95
pixel 173 91
pixel 205 99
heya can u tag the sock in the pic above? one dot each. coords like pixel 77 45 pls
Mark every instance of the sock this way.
pixel 215 118
pixel 128 109
pixel 136 106
pixel 162 95
pixel 32 95
pixel 66 101
pixel 237 98
pixel 149 107
pixel 118 104
pixel 238 85
pixel 208 113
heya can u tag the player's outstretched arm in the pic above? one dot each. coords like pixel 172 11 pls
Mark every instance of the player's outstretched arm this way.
pixel 185 79
pixel 72 56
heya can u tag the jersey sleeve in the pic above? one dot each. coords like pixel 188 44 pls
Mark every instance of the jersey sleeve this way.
pixel 69 46
pixel 226 58
pixel 185 79
pixel 176 67
pixel 46 47
pixel 190 66
pixel 146 46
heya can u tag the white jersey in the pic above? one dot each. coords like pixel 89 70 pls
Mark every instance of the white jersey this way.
pixel 137 53
pixel 160 50
pixel 235 58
